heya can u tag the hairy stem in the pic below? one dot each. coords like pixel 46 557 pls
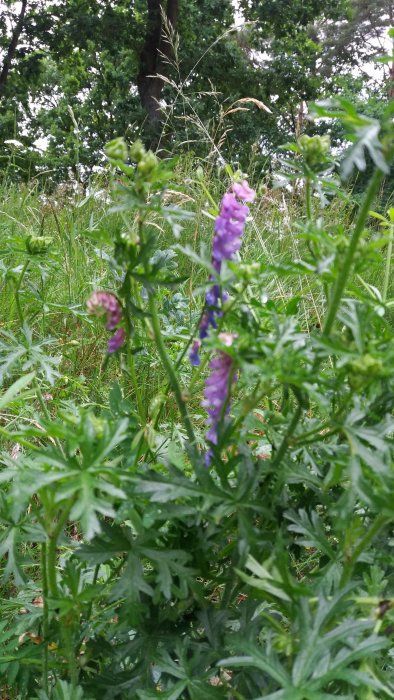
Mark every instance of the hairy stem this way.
pixel 167 364
pixel 45 411
pixel 338 291
pixel 387 271
pixel 133 376
pixel 67 632
pixel 287 437
pixel 129 291
pixel 53 537
pixel 45 618
pixel 308 199
pixel 17 290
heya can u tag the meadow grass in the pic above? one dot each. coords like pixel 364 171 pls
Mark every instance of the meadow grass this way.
pixel 53 288
pixel 81 225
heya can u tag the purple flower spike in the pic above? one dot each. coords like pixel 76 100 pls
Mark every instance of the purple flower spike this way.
pixel 100 303
pixel 229 229
pixel 116 341
pixel 207 320
pixel 194 355
pixel 243 191
pixel 212 296
pixel 217 391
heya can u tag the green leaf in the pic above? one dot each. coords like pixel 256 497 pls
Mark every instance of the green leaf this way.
pixel 366 139
pixel 311 529
pixel 15 389
pixel 173 694
pixel 256 659
pixel 263 580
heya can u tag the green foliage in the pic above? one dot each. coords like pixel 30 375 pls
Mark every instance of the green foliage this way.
pixel 129 568
pixel 74 78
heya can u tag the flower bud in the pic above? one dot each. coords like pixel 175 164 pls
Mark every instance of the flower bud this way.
pixel 148 163
pixel 363 370
pixel 314 148
pixel 137 151
pixel 117 149
pixel 38 244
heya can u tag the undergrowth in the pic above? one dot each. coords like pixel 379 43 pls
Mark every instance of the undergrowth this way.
pixel 146 553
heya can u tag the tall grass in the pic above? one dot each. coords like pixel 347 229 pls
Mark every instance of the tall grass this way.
pixel 77 262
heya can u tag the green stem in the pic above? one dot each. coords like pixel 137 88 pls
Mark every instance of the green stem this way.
pixel 51 567
pixel 133 376
pixel 376 526
pixel 53 537
pixel 287 437
pixel 95 577
pixel 308 199
pixel 167 364
pixel 343 276
pixel 388 264
pixel 45 411
pixel 339 288
pixel 130 290
pixel 17 290
pixel 67 633
pixel 45 617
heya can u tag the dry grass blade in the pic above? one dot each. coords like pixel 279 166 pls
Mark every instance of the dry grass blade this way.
pixel 253 100
pixel 236 109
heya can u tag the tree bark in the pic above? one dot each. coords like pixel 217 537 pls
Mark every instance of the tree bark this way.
pixel 155 49
pixel 12 48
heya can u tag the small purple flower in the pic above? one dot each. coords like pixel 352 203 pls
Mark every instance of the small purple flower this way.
pixel 243 191
pixel 116 340
pixel 217 392
pixel 229 229
pixel 213 295
pixel 194 355
pixel 100 303
pixel 207 320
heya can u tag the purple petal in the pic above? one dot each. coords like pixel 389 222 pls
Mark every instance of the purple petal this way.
pixel 116 341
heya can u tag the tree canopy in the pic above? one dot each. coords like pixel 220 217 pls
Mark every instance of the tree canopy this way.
pixel 77 73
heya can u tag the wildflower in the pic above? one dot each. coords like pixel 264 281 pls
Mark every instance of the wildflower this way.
pixel 117 149
pixel 217 391
pixel 229 229
pixel 38 244
pixel 243 191
pixel 116 341
pixel 194 356
pixel 100 303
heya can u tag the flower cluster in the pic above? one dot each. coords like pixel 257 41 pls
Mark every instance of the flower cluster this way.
pixel 229 229
pixel 105 303
pixel 217 391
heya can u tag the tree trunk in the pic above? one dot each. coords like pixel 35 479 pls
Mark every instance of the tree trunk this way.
pixel 12 48
pixel 155 48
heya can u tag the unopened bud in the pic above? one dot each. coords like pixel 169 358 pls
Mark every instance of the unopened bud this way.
pixel 137 151
pixel 148 163
pixel 117 149
pixel 38 244
pixel 314 148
